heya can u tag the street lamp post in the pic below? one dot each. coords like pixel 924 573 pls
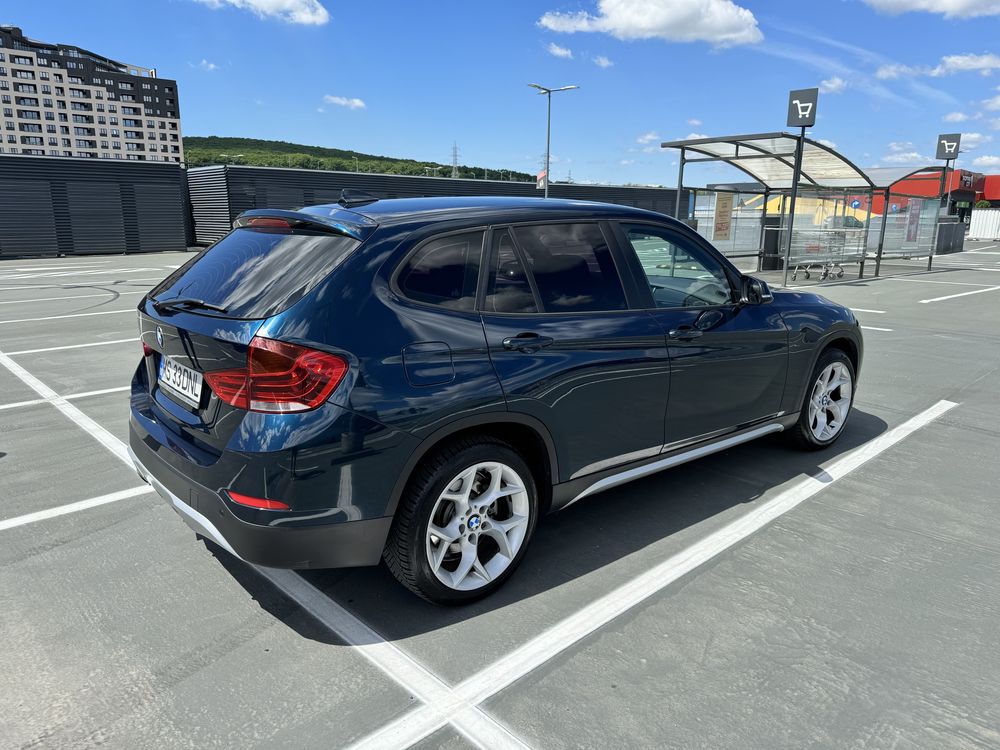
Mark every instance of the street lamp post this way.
pixel 548 125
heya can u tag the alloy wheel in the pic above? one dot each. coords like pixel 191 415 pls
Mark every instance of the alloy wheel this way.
pixel 830 401
pixel 477 526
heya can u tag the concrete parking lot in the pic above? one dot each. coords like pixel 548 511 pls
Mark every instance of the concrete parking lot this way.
pixel 759 598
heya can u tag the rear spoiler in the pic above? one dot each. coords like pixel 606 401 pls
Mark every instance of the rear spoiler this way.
pixel 342 222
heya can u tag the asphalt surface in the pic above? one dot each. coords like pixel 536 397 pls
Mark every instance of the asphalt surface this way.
pixel 759 598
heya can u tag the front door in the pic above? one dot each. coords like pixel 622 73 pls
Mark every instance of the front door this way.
pixel 567 348
pixel 728 360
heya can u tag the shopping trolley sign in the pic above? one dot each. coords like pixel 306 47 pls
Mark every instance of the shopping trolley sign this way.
pixel 947 145
pixel 802 108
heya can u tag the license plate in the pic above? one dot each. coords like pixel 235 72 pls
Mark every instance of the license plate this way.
pixel 180 381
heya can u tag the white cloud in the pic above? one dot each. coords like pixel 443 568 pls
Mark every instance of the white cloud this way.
pixel 972 141
pixel 986 161
pixel 894 70
pixel 694 122
pixel 343 101
pixel 906 157
pixel 947 8
pixel 694 136
pixel 995 124
pixel 904 152
pixel 649 137
pixel 556 51
pixel 950 64
pixel 626 162
pixel 602 62
pixel 307 12
pixel 719 22
pixel 992 104
pixel 320 109
pixel 983 64
pixel 955 117
pixel 206 65
pixel 834 85
pixel 827 143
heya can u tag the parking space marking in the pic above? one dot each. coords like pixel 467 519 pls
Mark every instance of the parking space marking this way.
pixel 70 397
pixel 60 299
pixel 63 510
pixel 89 425
pixel 84 272
pixel 73 315
pixel 875 328
pixel 421 722
pixel 960 294
pixel 931 281
pixel 71 346
pixel 438 698
pixel 861 309
pixel 77 285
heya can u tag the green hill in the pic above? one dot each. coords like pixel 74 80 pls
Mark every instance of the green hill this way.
pixel 204 150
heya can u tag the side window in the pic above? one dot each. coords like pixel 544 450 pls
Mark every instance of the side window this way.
pixel 679 273
pixel 444 272
pixel 572 267
pixel 509 289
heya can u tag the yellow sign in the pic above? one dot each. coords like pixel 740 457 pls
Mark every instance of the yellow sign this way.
pixel 723 216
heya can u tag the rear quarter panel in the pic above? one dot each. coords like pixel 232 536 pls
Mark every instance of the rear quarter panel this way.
pixel 814 322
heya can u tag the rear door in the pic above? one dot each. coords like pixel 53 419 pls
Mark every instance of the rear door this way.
pixel 568 348
pixel 728 361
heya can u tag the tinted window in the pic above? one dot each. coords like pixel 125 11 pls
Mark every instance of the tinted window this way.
pixel 572 267
pixel 257 273
pixel 444 272
pixel 680 274
pixel 509 290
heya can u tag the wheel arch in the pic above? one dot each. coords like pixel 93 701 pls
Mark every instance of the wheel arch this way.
pixel 524 433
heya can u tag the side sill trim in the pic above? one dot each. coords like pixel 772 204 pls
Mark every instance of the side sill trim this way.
pixel 675 460
pixel 193 518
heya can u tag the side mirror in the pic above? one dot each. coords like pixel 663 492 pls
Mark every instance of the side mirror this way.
pixel 755 292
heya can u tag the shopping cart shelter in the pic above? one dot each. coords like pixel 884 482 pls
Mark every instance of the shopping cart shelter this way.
pixel 837 220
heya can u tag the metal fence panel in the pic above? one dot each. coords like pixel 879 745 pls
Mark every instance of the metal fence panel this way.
pixel 52 205
pixel 219 194
pixel 985 224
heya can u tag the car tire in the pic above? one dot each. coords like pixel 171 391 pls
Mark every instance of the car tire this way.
pixel 461 529
pixel 824 405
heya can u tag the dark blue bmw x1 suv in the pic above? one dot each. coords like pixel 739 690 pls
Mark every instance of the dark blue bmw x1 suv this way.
pixel 420 380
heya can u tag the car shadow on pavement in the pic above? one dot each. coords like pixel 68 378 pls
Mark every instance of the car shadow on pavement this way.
pixel 575 542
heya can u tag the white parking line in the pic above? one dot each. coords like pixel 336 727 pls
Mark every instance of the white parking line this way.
pixel 60 299
pixel 874 328
pixel 472 722
pixel 99 433
pixel 961 294
pixel 77 284
pixel 70 397
pixel 421 722
pixel 931 281
pixel 63 510
pixel 71 346
pixel 74 315
pixel 861 309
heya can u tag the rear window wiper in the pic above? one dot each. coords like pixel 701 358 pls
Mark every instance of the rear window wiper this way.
pixel 189 302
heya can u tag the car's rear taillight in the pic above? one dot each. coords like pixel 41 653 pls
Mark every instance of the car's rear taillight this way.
pixel 279 377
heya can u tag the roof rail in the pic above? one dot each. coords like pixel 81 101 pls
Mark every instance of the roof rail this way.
pixel 351 198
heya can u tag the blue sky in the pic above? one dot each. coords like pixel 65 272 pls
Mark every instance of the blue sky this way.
pixel 407 78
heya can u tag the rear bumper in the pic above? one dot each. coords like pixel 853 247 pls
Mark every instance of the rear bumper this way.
pixel 335 545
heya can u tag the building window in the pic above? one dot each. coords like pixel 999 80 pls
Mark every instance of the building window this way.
pixel 21 60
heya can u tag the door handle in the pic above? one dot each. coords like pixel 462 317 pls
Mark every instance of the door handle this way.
pixel 527 342
pixel 685 333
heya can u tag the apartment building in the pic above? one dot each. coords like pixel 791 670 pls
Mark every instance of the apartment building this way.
pixel 60 100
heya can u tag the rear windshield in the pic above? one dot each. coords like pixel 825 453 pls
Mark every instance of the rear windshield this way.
pixel 257 273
